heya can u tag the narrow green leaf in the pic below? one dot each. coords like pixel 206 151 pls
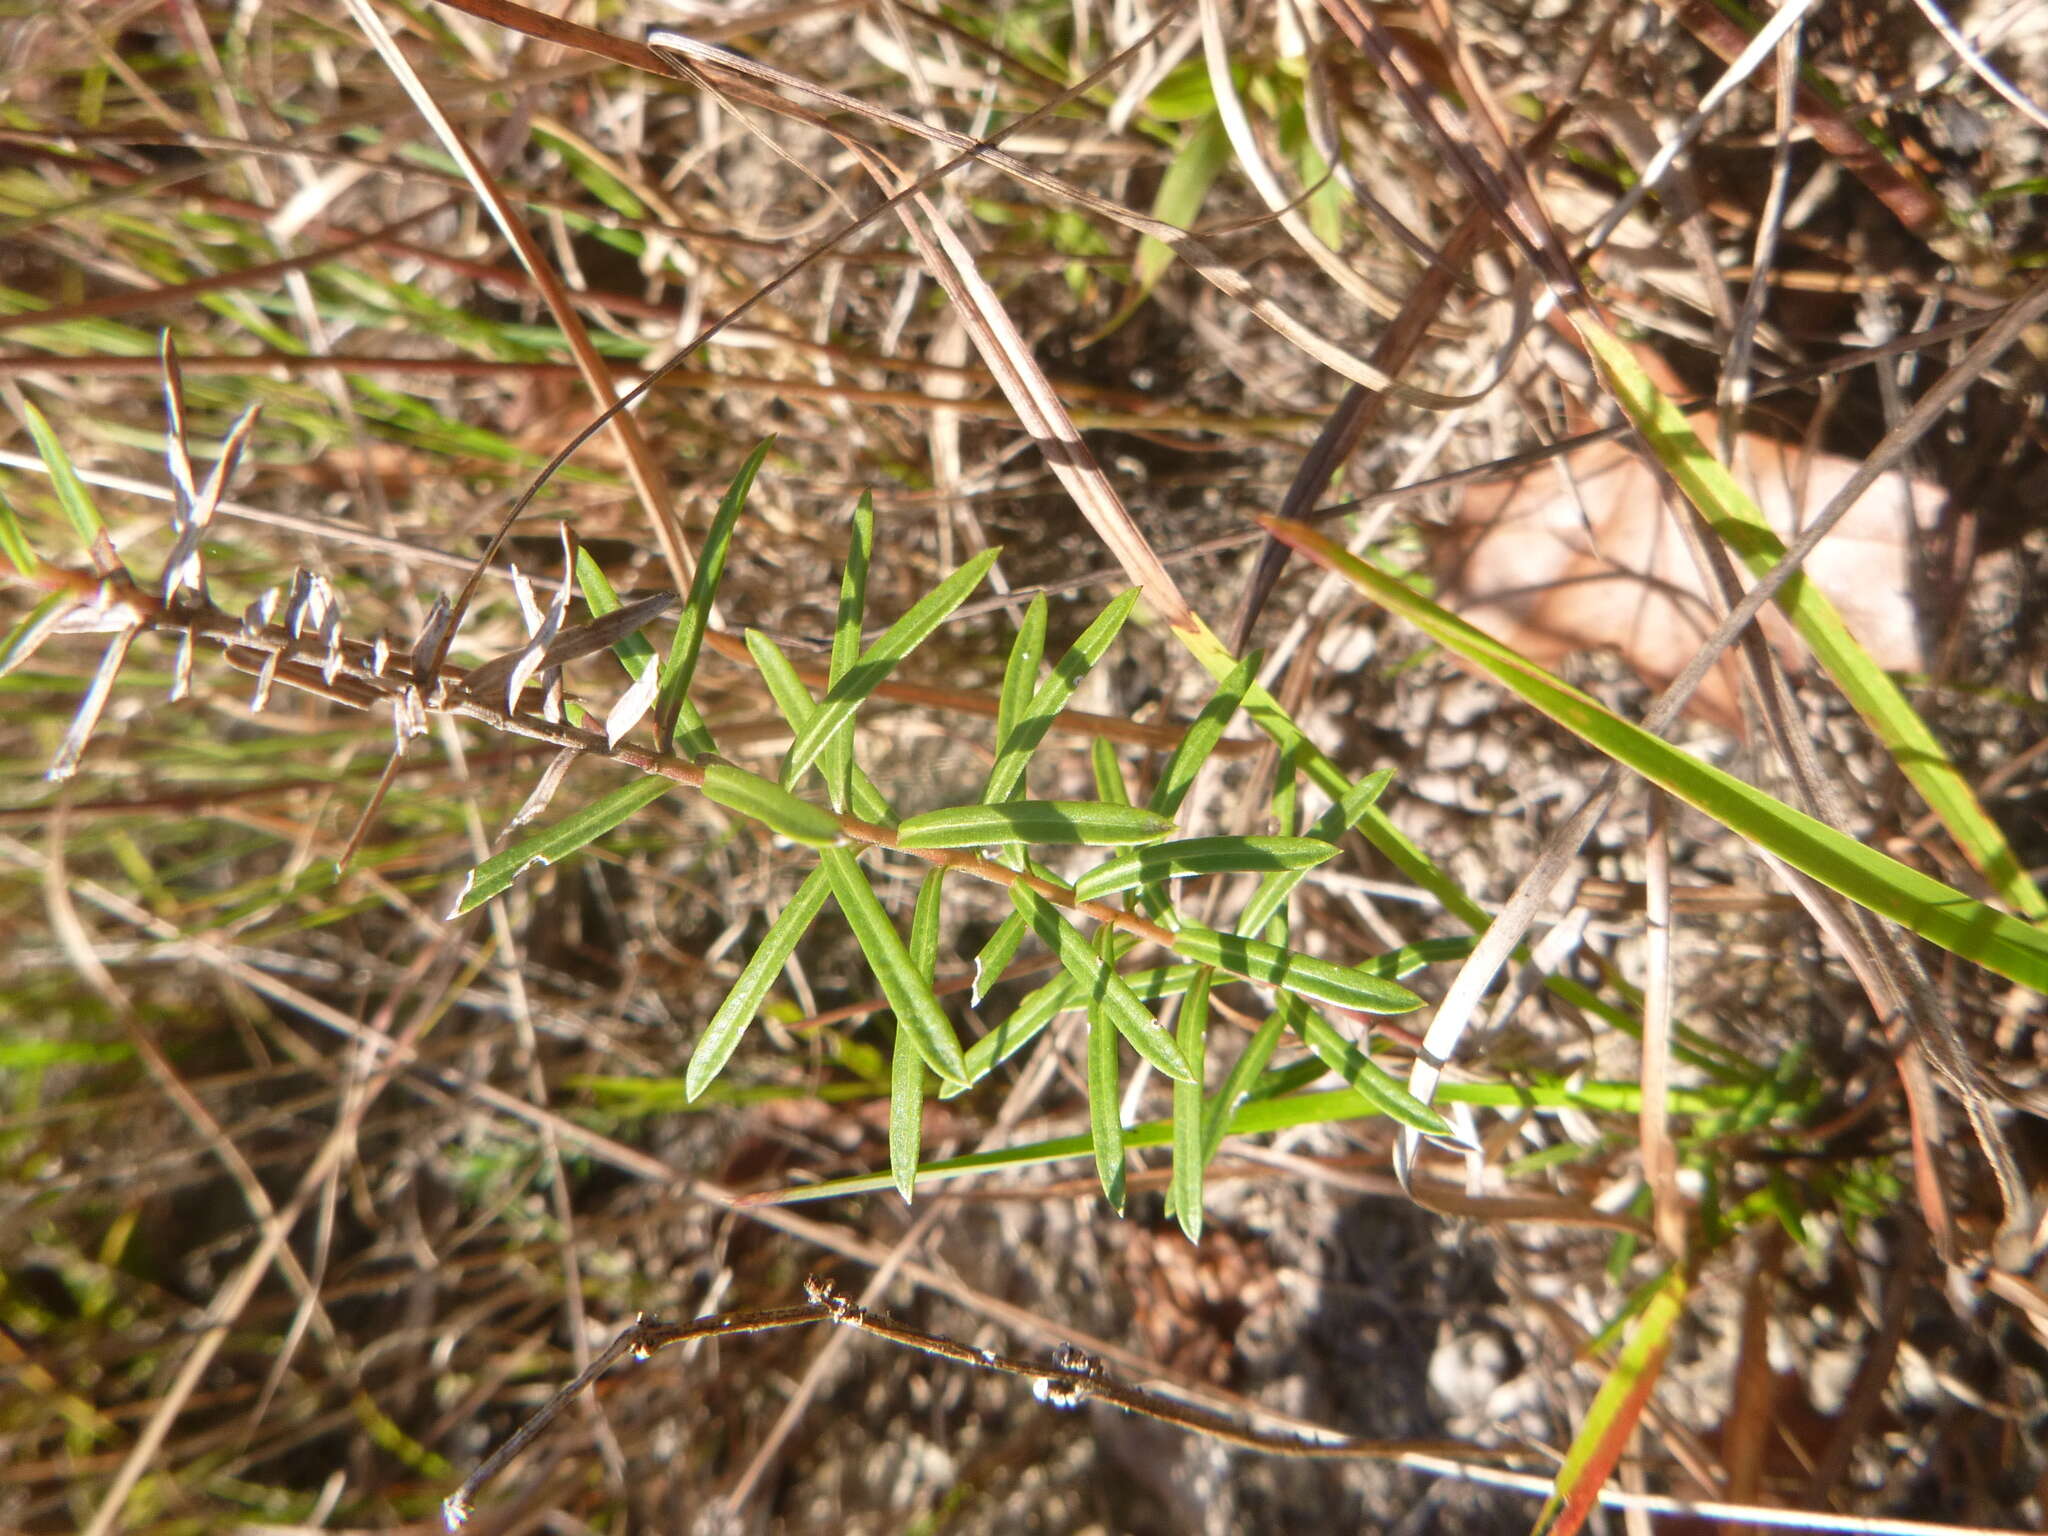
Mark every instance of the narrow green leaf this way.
pixel 1271 897
pixel 695 617
pixel 1288 971
pixel 1257 1112
pixel 836 760
pixel 1063 993
pixel 879 660
pixel 635 651
pixel 1349 1061
pixel 730 1022
pixel 1178 777
pixel 692 736
pixel 1020 682
pixel 72 495
pixel 1615 1409
pixel 794 700
pixel 1738 520
pixel 909 994
pixel 1109 774
pixel 1186 857
pixel 1222 1105
pixel 14 541
pixel 1398 848
pixel 557 842
pixel 1013 751
pixel 1203 151
pixel 770 804
pixel 1118 1002
pixel 906 1113
pixel 995 956
pixel 1025 822
pixel 906 1066
pixel 924 924
pixel 1957 922
pixel 1185 1190
pixel 1105 1124
pixel 908 1070
pixel 1286 801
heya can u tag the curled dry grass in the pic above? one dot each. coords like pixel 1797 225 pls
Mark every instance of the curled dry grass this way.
pixel 313 1197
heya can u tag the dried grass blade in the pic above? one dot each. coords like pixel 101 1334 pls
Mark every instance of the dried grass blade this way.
pixel 608 630
pixel 557 842
pixel 641 468
pixel 544 792
pixel 72 747
pixel 1213 268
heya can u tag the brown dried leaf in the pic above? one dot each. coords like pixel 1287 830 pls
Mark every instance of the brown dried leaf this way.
pixel 1579 554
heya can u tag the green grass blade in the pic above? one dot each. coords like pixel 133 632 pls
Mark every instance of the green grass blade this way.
pixel 1741 525
pixel 879 660
pixel 1105 1124
pixel 769 803
pixel 909 994
pixel 72 495
pixel 1013 751
pixel 1288 971
pixel 1178 776
pixel 695 617
pixel 1183 189
pixel 1616 1407
pixel 1254 1112
pixel 1184 1192
pixel 1187 857
pixel 1118 1002
pixel 555 843
pixel 737 1012
pixel 1349 1061
pixel 794 700
pixel 836 761
pixel 1958 923
pixel 1025 822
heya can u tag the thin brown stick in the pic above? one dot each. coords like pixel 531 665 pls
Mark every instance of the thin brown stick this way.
pixel 1068 1380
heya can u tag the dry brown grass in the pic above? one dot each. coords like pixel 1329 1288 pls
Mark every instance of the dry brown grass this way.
pixel 309 1197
